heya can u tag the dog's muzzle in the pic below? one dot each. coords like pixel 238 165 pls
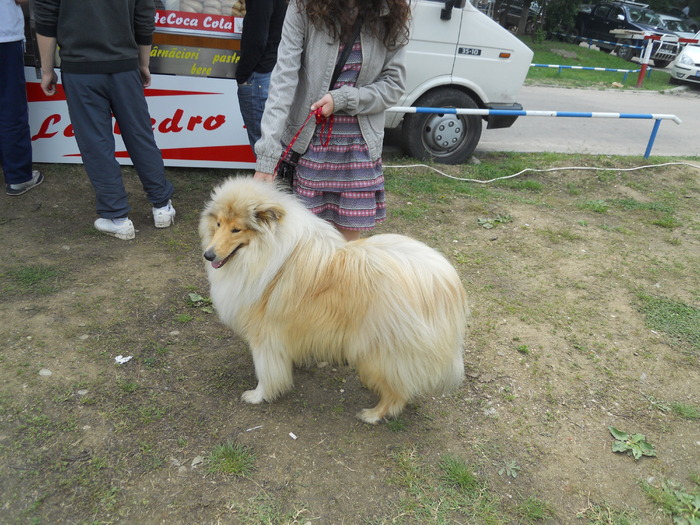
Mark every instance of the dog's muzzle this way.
pixel 210 255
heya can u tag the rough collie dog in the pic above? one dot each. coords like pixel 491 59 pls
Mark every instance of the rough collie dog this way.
pixel 288 283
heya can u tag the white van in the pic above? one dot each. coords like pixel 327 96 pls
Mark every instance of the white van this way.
pixel 457 57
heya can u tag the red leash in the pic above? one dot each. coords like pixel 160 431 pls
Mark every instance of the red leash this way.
pixel 326 126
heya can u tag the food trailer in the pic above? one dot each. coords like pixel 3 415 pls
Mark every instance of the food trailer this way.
pixel 456 57
pixel 192 98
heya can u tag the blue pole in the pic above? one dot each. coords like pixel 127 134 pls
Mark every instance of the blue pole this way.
pixel 652 138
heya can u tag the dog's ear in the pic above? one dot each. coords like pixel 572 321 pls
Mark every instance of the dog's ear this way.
pixel 268 214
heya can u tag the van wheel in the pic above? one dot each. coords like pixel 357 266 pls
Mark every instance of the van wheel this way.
pixel 443 137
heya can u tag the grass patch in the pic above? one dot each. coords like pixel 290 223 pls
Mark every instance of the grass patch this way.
pixel 183 318
pixel 454 492
pixel 604 514
pixel 677 319
pixel 552 51
pixel 38 279
pixel 685 411
pixel 263 509
pixel 667 221
pixel 681 504
pixel 457 473
pixel 632 204
pixel 232 458
pixel 597 206
pixel 396 425
pixel 533 510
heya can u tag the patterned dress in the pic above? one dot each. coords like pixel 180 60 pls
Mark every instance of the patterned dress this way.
pixel 339 182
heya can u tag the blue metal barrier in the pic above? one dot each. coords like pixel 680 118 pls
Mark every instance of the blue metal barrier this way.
pixel 589 68
pixel 526 113
pixel 590 41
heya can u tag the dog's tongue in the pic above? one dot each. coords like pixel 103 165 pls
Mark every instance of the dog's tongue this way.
pixel 217 264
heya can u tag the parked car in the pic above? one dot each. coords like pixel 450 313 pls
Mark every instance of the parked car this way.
pixel 625 15
pixel 686 66
pixel 678 13
pixel 678 26
pixel 510 13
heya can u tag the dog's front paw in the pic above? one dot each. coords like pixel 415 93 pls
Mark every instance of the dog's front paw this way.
pixel 369 415
pixel 254 397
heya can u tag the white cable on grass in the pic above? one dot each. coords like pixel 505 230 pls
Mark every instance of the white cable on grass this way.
pixel 581 168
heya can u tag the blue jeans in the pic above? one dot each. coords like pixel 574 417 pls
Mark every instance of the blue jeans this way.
pixel 15 138
pixel 251 99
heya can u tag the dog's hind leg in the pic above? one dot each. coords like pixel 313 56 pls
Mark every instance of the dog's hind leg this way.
pixel 274 372
pixel 390 404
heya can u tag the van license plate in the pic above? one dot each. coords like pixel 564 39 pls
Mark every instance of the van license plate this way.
pixel 469 51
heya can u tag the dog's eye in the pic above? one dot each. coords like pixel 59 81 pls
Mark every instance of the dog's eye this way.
pixel 218 224
pixel 235 230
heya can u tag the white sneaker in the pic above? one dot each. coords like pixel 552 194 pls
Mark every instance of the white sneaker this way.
pixel 123 230
pixel 165 216
pixel 24 187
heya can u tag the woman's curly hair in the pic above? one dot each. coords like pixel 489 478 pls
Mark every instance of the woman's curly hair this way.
pixel 338 18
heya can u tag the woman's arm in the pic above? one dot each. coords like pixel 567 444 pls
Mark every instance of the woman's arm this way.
pixel 382 93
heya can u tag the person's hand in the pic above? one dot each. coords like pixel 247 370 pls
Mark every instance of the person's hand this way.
pixel 145 76
pixel 48 82
pixel 326 104
pixel 267 177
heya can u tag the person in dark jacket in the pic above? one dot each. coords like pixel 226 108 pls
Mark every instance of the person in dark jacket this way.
pixel 105 51
pixel 262 31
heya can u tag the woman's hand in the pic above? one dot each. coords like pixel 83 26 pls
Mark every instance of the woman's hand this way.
pixel 326 104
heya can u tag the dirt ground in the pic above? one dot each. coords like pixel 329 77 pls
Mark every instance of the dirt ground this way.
pixel 560 269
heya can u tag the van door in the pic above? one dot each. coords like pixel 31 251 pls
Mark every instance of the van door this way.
pixel 433 44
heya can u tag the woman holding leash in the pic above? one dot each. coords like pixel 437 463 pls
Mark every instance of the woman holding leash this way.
pixel 339 168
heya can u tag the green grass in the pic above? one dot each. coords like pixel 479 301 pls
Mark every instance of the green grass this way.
pixel 604 514
pixel 232 458
pixel 396 425
pixel 183 318
pixel 455 492
pixel 681 504
pixel 263 509
pixel 677 319
pixel 685 411
pixel 533 510
pixel 40 279
pixel 549 52
pixel 596 205
pixel 456 472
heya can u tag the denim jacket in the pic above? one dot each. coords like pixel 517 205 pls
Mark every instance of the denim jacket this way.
pixel 305 61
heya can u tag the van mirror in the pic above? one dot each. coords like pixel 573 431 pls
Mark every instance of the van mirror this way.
pixel 446 12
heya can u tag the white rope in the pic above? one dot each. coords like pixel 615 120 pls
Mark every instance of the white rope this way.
pixel 580 168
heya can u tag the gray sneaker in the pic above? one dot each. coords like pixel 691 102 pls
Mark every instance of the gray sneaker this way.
pixel 24 187
pixel 123 231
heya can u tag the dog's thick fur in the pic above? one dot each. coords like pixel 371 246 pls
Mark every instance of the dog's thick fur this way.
pixel 287 282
